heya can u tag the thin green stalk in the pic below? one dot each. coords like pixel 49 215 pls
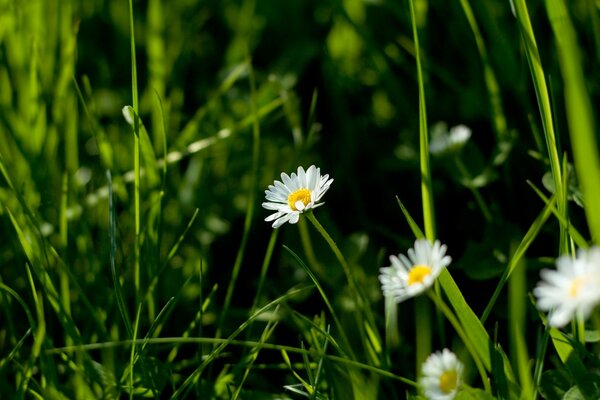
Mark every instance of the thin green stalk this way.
pixel 491 83
pixel 308 248
pixel 543 99
pixel 264 268
pixel 437 300
pixel 478 198
pixel 136 157
pixel 65 293
pixel 423 324
pixel 426 190
pixel 348 348
pixel 338 254
pixel 132 353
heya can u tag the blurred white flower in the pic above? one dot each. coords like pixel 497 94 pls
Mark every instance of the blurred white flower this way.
pixel 409 276
pixel 441 375
pixel 128 114
pixel 298 193
pixel 573 289
pixel 443 140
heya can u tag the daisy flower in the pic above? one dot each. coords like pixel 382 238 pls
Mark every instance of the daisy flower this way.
pixel 573 289
pixel 441 375
pixel 409 276
pixel 443 140
pixel 298 193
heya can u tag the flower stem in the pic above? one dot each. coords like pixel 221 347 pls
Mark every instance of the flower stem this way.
pixel 478 198
pixel 338 254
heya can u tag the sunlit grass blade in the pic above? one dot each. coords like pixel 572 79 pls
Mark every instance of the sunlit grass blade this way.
pixel 544 105
pixel 579 111
pixel 417 232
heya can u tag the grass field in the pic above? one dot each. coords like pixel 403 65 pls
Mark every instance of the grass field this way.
pixel 163 234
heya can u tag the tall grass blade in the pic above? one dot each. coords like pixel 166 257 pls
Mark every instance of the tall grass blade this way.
pixel 584 138
pixel 545 109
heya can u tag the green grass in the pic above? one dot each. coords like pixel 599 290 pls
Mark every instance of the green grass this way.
pixel 135 261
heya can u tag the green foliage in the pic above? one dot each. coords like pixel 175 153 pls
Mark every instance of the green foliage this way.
pixel 137 138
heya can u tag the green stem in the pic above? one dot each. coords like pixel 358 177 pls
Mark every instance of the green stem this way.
pixel 462 168
pixel 338 254
pixel 265 267
pixel 308 248
pixel 136 158
pixel 441 305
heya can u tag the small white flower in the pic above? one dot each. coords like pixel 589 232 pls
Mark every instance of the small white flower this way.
pixel 441 375
pixel 409 276
pixel 298 193
pixel 444 141
pixel 573 289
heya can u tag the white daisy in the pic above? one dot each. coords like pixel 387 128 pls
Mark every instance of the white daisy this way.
pixel 572 289
pixel 409 276
pixel 443 140
pixel 298 193
pixel 441 375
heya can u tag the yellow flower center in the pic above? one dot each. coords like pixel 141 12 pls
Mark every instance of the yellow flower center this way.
pixel 418 273
pixel 448 381
pixel 302 195
pixel 576 286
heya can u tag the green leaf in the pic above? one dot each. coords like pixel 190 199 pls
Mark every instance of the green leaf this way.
pixel 469 393
pixel 554 384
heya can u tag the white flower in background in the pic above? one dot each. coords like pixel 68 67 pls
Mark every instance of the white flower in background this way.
pixel 443 140
pixel 441 375
pixel 298 193
pixel 409 276
pixel 573 289
pixel 128 114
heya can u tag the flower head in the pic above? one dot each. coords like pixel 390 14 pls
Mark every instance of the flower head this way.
pixel 409 276
pixel 441 375
pixel 297 193
pixel 572 289
pixel 443 141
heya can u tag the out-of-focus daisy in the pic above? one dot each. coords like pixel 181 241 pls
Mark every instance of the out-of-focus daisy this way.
pixel 573 289
pixel 295 194
pixel 409 276
pixel 441 375
pixel 443 141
